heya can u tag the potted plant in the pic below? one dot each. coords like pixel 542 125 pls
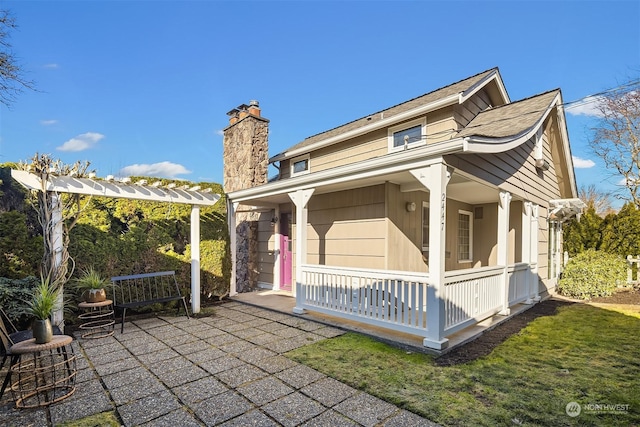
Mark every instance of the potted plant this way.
pixel 92 285
pixel 46 299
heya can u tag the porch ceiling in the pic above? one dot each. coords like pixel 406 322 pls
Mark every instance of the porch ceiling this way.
pixel 460 188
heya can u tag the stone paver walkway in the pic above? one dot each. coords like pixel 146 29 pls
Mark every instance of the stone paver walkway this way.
pixel 225 370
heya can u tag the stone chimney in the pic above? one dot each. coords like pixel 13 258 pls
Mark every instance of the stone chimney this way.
pixel 245 165
pixel 245 148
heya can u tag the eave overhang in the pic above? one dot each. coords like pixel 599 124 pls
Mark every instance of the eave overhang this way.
pixel 483 144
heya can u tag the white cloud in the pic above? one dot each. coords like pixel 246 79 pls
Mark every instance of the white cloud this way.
pixel 48 122
pixel 220 132
pixel 162 169
pixel 587 106
pixel 579 163
pixel 51 66
pixel 81 142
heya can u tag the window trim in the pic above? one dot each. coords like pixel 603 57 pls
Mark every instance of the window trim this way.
pixel 470 215
pixel 295 160
pixel 422 122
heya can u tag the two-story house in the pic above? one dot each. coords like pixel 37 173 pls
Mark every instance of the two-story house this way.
pixel 426 217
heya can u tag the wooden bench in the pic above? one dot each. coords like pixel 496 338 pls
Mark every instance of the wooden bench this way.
pixel 145 289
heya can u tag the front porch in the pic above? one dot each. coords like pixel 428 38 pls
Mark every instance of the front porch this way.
pixel 284 302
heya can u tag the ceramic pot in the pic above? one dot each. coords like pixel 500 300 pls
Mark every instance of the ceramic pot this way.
pixel 95 295
pixel 42 331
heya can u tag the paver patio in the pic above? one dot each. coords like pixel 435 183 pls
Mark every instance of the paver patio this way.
pixel 226 370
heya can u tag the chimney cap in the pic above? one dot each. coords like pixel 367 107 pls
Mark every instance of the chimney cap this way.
pixel 254 103
pixel 242 107
pixel 233 112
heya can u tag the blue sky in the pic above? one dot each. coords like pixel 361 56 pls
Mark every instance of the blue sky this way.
pixel 143 87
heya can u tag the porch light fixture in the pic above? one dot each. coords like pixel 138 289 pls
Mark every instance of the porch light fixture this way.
pixel 542 164
pixel 411 206
pixel 274 221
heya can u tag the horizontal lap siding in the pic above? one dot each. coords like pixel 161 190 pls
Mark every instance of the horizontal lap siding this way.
pixel 463 114
pixel 373 144
pixel 347 228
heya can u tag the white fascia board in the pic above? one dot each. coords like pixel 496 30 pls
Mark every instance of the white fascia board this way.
pixel 566 144
pixel 396 162
pixel 398 118
pixel 494 76
pixel 487 145
pixel 100 188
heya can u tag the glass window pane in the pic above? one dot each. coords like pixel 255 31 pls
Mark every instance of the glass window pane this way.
pixel 300 166
pixel 413 134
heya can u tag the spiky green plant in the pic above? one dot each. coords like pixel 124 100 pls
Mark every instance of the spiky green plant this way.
pixel 46 299
pixel 91 279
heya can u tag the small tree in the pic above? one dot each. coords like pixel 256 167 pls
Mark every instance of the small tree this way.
pixel 616 139
pixel 621 232
pixel 585 234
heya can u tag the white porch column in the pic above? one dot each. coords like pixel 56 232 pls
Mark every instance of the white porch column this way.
pixel 57 235
pixel 231 220
pixel 276 251
pixel 435 178
pixel 300 198
pixel 195 259
pixel 526 246
pixel 534 253
pixel 503 247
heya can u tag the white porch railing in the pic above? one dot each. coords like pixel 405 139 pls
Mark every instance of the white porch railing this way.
pixel 518 275
pixel 397 300
pixel 391 299
pixel 471 295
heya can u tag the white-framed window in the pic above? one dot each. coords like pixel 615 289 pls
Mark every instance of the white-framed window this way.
pixel 465 236
pixel 407 135
pixel 425 228
pixel 300 165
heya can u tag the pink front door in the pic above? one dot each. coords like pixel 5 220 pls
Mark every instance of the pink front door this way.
pixel 286 262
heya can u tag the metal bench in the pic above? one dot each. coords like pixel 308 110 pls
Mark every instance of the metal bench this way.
pixel 146 289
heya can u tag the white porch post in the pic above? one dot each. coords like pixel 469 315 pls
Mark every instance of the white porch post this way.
pixel 535 228
pixel 526 247
pixel 231 220
pixel 435 178
pixel 57 317
pixel 503 246
pixel 300 198
pixel 276 251
pixel 195 259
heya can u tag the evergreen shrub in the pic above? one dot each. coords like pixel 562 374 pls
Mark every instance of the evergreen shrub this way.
pixel 592 274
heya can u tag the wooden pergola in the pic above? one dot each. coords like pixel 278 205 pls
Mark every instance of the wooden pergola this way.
pixel 127 190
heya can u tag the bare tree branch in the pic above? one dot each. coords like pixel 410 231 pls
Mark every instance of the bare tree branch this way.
pixel 616 139
pixel 12 80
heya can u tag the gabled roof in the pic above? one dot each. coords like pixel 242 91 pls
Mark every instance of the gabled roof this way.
pixel 453 93
pixel 510 119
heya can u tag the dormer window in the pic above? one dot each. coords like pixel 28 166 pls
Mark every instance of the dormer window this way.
pixel 407 135
pixel 300 165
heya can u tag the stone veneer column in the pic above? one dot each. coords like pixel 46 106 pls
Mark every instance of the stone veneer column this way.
pixel 246 161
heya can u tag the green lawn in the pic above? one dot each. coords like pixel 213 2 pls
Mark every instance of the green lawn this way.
pixel 582 354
